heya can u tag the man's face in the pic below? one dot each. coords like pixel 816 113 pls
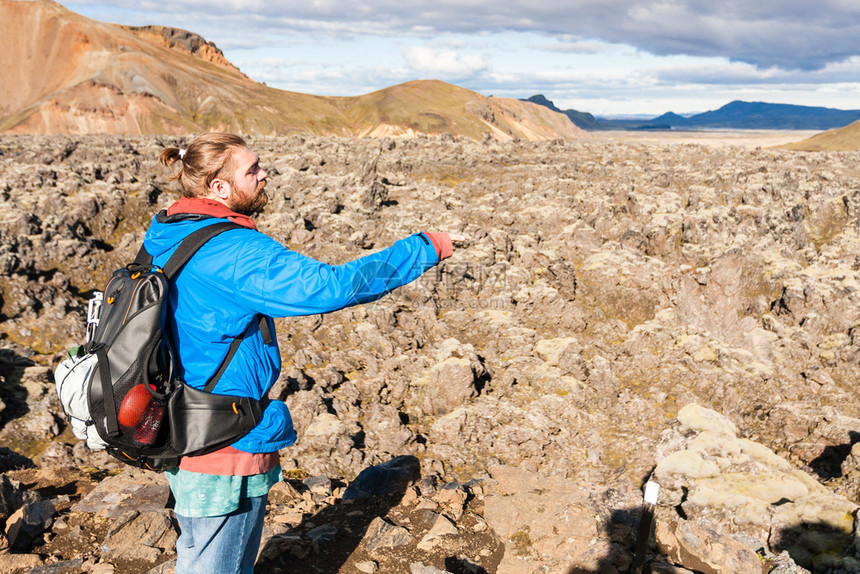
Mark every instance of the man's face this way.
pixel 248 195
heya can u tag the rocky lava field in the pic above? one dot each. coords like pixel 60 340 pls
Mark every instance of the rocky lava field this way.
pixel 621 311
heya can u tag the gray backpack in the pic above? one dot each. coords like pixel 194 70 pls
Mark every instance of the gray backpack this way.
pixel 119 391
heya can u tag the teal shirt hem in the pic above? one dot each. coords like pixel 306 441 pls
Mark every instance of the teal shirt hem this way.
pixel 198 495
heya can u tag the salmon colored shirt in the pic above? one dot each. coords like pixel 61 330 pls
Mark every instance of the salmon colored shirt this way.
pixel 230 461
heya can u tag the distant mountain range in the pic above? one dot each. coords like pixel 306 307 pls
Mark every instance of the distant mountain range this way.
pixel 735 115
pixel 63 73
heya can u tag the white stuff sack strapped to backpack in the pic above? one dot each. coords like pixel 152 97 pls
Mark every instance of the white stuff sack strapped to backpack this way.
pixel 73 377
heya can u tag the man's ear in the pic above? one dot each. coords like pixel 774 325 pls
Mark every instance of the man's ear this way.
pixel 220 189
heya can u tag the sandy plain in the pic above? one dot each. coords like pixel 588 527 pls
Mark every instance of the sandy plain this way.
pixel 744 138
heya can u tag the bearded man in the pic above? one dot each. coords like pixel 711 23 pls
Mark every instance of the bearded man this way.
pixel 232 288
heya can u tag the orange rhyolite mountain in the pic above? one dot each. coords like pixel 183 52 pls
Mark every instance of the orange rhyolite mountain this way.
pixel 67 74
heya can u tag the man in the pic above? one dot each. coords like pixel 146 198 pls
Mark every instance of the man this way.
pixel 235 278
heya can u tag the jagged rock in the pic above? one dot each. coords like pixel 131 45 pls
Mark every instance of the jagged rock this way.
pixel 28 522
pixel 550 521
pixel 385 432
pixel 329 441
pixel 741 486
pixel 147 537
pixel 428 485
pixel 551 350
pixel 168 567
pixel 367 566
pixel 382 534
pixel 19 562
pixel 284 492
pixel 133 488
pixel 813 434
pixel 452 498
pixel 322 535
pixel 783 564
pixel 421 568
pixel 58 455
pixel 318 485
pixel 84 456
pixel 74 565
pixel 704 550
pixel 452 380
pixel 374 196
pixel 442 526
pixel 13 496
pixel 284 545
pixel 663 568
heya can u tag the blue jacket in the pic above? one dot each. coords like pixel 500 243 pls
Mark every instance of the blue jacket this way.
pixel 242 273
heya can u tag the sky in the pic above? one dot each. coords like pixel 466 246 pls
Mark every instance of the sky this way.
pixel 611 58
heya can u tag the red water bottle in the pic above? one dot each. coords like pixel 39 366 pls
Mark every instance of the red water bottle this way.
pixel 147 431
pixel 143 413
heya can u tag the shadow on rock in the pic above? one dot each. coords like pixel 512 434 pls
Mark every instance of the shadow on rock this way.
pixel 615 554
pixel 13 396
pixel 828 464
pixel 817 547
pixel 462 566
pixel 11 460
pixel 316 544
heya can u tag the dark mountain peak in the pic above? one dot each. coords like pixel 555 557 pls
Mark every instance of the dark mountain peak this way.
pixel 669 117
pixel 582 120
pixel 541 100
pixel 742 104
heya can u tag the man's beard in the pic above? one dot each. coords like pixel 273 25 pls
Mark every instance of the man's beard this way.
pixel 251 204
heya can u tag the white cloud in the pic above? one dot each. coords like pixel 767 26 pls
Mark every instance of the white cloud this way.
pixel 792 34
pixel 574 47
pixel 443 63
pixel 602 56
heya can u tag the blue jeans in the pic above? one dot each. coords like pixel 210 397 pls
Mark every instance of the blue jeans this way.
pixel 221 544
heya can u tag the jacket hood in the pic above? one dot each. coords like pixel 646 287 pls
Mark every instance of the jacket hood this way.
pixel 166 233
pixel 169 227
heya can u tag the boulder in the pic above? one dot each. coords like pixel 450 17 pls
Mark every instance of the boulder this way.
pixel 705 550
pixel 740 486
pixel 381 534
pixel 28 522
pixel 554 522
pixel 146 537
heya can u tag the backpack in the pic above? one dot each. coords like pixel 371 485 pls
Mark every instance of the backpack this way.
pixel 119 390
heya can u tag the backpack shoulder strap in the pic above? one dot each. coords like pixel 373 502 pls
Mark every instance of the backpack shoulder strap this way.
pixel 143 260
pixel 192 243
pixel 263 324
